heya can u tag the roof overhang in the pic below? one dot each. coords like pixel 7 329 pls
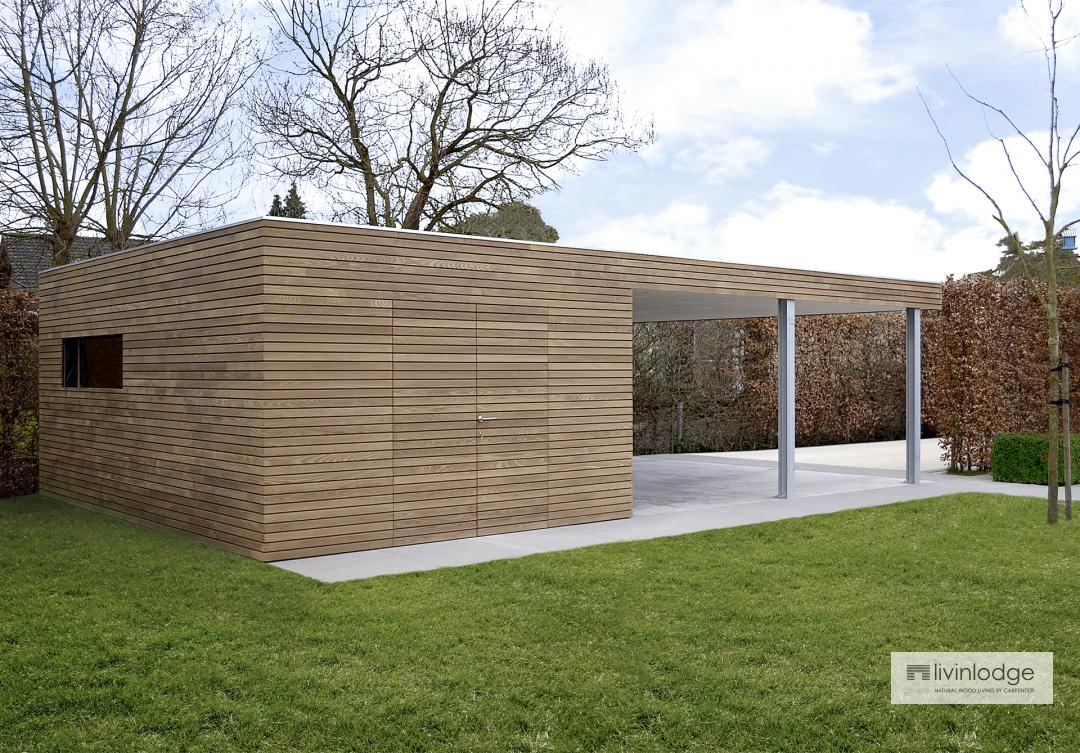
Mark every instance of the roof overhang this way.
pixel 678 305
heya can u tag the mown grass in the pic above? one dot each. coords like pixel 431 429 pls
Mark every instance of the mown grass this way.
pixel 773 637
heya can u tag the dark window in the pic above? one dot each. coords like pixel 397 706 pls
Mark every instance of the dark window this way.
pixel 94 361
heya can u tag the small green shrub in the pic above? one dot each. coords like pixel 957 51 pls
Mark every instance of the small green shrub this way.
pixel 25 431
pixel 1022 458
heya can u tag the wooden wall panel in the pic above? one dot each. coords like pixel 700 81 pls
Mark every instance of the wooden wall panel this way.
pixel 295 389
pixel 329 439
pixel 434 421
pixel 590 413
pixel 179 447
pixel 478 266
pixel 512 387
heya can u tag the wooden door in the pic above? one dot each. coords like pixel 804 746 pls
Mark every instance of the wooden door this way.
pixel 512 398
pixel 435 426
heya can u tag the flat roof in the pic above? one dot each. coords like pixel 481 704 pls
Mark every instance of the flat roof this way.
pixel 664 287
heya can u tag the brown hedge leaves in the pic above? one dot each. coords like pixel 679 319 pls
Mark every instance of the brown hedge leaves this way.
pixel 985 364
pixel 849 377
pixel 18 393
pixel 984 372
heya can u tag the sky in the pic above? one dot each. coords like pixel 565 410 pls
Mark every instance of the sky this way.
pixel 792 133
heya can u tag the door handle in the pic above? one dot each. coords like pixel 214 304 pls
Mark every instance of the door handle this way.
pixel 482 418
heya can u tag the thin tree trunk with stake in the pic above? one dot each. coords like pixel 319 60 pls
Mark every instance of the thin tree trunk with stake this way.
pixel 1065 420
pixel 1054 419
pixel 1061 152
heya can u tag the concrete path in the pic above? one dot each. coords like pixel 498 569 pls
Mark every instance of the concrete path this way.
pixel 677 494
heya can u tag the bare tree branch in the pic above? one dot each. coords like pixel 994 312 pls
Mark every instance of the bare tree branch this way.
pixel 430 109
pixel 115 113
pixel 1056 159
pixel 1019 180
pixel 1004 116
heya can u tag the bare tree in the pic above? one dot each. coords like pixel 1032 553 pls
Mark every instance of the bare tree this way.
pixel 322 111
pixel 426 111
pixel 49 171
pixel 1060 152
pixel 116 113
pixel 177 88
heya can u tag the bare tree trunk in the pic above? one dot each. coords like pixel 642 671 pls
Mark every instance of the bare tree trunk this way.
pixel 1066 411
pixel 367 170
pixel 1054 342
pixel 1053 333
pixel 63 238
pixel 415 212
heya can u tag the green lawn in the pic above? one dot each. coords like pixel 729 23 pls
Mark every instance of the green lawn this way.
pixel 772 637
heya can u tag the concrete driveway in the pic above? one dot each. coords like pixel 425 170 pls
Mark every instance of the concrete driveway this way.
pixel 677 494
pixel 695 480
pixel 882 456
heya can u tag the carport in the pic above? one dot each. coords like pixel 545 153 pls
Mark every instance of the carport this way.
pixel 666 305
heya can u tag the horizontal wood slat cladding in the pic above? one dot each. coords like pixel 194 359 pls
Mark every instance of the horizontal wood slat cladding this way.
pixel 435 374
pixel 337 448
pixel 512 392
pixel 478 262
pixel 294 389
pixel 180 446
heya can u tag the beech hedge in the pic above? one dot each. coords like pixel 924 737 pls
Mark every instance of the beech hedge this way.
pixel 18 394
pixel 985 372
pixel 985 364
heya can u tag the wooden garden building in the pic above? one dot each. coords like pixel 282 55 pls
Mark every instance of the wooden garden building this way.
pixel 286 388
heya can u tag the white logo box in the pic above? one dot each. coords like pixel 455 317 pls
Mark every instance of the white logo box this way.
pixel 985 677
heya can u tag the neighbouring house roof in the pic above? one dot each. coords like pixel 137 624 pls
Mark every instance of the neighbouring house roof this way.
pixel 30 253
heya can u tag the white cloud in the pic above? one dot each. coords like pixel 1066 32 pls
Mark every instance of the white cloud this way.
pixel 719 160
pixel 792 226
pixel 988 166
pixel 1029 30
pixel 703 66
pixel 601 29
pixel 719 77
pixel 825 148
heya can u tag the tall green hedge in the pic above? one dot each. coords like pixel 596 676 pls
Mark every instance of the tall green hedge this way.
pixel 1022 458
pixel 18 393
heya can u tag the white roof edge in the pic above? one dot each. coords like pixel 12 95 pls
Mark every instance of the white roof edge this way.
pixel 562 247
pixel 437 234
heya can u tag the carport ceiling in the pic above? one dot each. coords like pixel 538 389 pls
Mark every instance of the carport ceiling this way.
pixel 674 305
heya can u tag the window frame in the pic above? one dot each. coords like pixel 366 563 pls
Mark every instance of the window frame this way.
pixel 75 374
